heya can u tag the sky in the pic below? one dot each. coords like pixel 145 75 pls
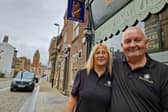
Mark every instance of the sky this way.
pixel 29 24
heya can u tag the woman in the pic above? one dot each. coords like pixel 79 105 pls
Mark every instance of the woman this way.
pixel 92 86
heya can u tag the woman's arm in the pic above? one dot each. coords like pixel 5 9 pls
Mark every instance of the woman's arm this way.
pixel 72 101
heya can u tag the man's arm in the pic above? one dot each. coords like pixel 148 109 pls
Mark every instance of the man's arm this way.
pixel 164 90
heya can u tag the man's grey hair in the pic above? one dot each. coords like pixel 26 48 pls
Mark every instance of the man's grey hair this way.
pixel 131 28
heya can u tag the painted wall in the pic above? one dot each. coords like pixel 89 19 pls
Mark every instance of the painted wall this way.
pixel 6 58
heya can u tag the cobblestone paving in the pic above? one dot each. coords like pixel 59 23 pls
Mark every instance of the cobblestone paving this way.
pixel 5 84
pixel 5 79
pixel 12 101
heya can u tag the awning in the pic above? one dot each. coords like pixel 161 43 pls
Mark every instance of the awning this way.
pixel 137 10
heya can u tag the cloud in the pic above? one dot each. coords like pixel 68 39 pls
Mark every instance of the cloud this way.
pixel 30 24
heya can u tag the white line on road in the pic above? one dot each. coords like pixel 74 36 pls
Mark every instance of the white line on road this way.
pixel 30 104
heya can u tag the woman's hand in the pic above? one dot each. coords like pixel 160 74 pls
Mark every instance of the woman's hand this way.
pixel 72 101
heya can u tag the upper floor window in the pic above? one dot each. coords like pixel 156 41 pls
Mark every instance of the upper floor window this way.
pixel 80 53
pixel 65 37
pixel 75 29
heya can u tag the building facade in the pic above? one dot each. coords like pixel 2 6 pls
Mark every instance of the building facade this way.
pixel 150 15
pixel 36 62
pixel 6 57
pixel 71 53
pixel 22 63
pixel 52 59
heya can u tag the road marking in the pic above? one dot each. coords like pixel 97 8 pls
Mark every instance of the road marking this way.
pixel 30 104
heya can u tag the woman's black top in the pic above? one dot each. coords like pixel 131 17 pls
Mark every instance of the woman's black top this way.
pixel 93 92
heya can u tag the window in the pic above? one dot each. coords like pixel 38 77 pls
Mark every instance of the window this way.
pixel 74 60
pixel 164 27
pixel 80 53
pixel 153 33
pixel 74 65
pixel 156 31
pixel 65 37
pixel 75 29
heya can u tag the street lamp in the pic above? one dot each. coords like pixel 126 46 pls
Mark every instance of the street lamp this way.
pixel 88 35
pixel 89 30
pixel 66 64
pixel 55 57
pixel 56 24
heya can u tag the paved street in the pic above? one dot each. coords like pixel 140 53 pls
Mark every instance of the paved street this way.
pixel 49 99
pixel 4 83
pixel 12 101
pixel 43 99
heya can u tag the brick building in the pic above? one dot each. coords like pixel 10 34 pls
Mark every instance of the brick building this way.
pixel 71 53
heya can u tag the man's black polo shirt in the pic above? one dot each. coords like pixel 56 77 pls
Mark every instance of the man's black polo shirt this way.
pixel 144 89
pixel 94 92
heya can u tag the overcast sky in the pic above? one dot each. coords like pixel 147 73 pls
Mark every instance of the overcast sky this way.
pixel 30 24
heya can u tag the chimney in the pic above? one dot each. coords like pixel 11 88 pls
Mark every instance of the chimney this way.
pixel 5 39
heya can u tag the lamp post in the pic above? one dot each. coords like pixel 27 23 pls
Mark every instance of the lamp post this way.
pixel 55 57
pixel 89 30
pixel 56 24
pixel 88 35
pixel 66 67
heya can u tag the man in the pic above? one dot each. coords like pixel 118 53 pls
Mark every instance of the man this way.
pixel 140 84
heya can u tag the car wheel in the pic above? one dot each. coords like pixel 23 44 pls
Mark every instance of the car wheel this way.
pixel 32 90
pixel 11 89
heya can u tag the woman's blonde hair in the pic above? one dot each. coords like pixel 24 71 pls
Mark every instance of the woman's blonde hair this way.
pixel 90 63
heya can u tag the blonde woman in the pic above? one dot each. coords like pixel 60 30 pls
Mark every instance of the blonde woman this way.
pixel 92 86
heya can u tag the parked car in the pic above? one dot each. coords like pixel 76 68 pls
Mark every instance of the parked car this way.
pixel 24 80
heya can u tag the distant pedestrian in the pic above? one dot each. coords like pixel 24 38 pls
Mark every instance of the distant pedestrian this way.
pixel 52 83
pixel 140 84
pixel 92 86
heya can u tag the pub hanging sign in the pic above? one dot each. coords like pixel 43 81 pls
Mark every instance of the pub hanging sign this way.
pixel 76 10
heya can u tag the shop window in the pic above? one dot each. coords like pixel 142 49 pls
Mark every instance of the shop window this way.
pixel 164 27
pixel 152 30
pixel 156 31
